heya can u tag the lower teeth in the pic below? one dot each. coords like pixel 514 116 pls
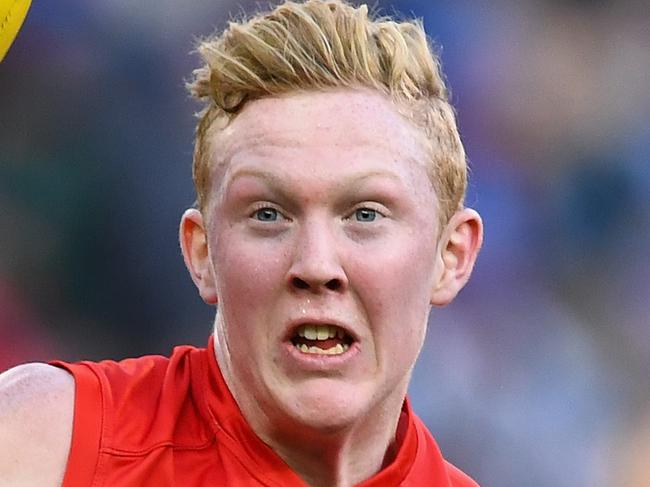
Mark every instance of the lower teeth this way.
pixel 336 350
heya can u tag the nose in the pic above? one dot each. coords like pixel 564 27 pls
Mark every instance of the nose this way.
pixel 316 266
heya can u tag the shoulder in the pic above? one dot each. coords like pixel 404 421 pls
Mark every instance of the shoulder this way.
pixel 36 414
pixel 136 404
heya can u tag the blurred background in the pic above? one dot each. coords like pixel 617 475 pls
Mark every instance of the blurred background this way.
pixel 537 375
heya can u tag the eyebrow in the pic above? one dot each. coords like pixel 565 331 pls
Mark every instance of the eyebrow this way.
pixel 273 179
pixel 278 182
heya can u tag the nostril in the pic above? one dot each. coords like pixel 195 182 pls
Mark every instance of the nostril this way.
pixel 299 283
pixel 333 284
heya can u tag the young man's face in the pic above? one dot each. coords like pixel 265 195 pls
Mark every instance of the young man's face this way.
pixel 323 247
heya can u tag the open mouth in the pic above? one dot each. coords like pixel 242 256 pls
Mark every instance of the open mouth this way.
pixel 321 339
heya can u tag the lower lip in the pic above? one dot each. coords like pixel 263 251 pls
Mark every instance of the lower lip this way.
pixel 317 361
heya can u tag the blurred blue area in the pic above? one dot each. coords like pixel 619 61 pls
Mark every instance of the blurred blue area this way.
pixel 536 375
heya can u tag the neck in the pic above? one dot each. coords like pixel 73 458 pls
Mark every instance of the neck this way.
pixel 323 457
pixel 342 458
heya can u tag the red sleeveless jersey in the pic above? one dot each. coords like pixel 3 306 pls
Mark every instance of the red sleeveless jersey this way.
pixel 171 421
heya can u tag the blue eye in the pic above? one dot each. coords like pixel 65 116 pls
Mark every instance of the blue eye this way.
pixel 266 214
pixel 365 215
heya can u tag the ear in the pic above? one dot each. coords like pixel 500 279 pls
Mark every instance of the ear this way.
pixel 458 248
pixel 194 244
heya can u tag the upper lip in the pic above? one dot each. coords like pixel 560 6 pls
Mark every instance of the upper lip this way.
pixel 294 324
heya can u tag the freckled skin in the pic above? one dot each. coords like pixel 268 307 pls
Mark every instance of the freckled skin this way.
pixel 316 159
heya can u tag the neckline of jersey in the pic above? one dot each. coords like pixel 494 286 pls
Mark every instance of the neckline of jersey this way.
pixel 231 428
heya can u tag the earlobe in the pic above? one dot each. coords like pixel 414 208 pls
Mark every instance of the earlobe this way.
pixel 458 249
pixel 194 245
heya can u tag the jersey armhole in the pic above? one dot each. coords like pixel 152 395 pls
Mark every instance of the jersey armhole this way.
pixel 87 426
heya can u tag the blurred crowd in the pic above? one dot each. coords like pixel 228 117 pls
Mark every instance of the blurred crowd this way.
pixel 537 375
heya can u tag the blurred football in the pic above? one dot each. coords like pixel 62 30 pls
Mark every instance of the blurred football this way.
pixel 12 15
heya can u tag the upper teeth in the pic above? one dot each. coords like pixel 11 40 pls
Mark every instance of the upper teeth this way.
pixel 320 332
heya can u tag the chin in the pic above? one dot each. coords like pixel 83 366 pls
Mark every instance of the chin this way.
pixel 326 406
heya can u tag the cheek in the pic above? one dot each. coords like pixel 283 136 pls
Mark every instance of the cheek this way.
pixel 400 269
pixel 397 291
pixel 248 276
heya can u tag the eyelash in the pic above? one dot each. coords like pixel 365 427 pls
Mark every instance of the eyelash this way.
pixel 377 213
pixel 266 206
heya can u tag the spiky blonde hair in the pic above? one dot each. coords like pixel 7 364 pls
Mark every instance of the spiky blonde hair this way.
pixel 326 44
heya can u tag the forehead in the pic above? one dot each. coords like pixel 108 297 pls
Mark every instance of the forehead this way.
pixel 338 120
pixel 319 140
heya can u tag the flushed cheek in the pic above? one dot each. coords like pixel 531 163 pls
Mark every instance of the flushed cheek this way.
pixel 396 297
pixel 248 281
pixel 250 270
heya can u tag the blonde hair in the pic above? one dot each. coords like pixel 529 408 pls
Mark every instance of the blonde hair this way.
pixel 320 45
